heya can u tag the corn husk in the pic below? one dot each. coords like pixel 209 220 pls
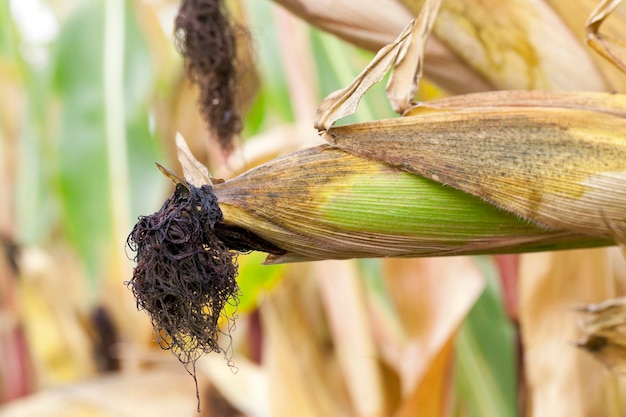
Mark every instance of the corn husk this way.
pixel 325 203
pixel 562 167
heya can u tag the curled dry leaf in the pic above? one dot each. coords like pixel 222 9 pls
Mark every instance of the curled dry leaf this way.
pixel 406 54
pixel 409 65
pixel 609 47
pixel 550 284
pixel 342 103
pixel 604 327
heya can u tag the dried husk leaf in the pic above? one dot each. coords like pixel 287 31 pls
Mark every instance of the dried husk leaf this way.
pixel 593 101
pixel 195 173
pixel 564 168
pixel 344 102
pixel 325 203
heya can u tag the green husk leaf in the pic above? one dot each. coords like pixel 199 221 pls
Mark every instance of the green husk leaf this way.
pixel 325 203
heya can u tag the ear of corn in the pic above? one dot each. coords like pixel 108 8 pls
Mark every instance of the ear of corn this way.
pixel 324 203
pixel 554 163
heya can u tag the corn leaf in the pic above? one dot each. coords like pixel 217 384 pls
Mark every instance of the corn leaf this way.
pixel 609 47
pixel 405 54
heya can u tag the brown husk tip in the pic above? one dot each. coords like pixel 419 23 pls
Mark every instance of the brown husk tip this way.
pixel 185 274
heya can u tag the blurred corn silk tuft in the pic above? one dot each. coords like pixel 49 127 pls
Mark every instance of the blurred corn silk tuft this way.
pixel 205 37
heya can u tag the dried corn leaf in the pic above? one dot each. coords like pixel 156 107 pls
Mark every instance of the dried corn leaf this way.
pixel 550 284
pixel 431 297
pixel 614 104
pixel 369 24
pixel 343 295
pixel 431 397
pixel 301 373
pixel 604 327
pixel 409 65
pixel 608 46
pixel 406 54
pixel 344 102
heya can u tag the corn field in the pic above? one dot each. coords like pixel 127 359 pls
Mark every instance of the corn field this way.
pixel 449 245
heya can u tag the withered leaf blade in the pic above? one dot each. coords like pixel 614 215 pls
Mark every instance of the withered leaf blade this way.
pixel 563 168
pixel 608 46
pixel 406 54
pixel 604 327
pixel 342 103
pixel 409 64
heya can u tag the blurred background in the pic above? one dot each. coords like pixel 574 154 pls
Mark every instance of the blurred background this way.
pixel 92 93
